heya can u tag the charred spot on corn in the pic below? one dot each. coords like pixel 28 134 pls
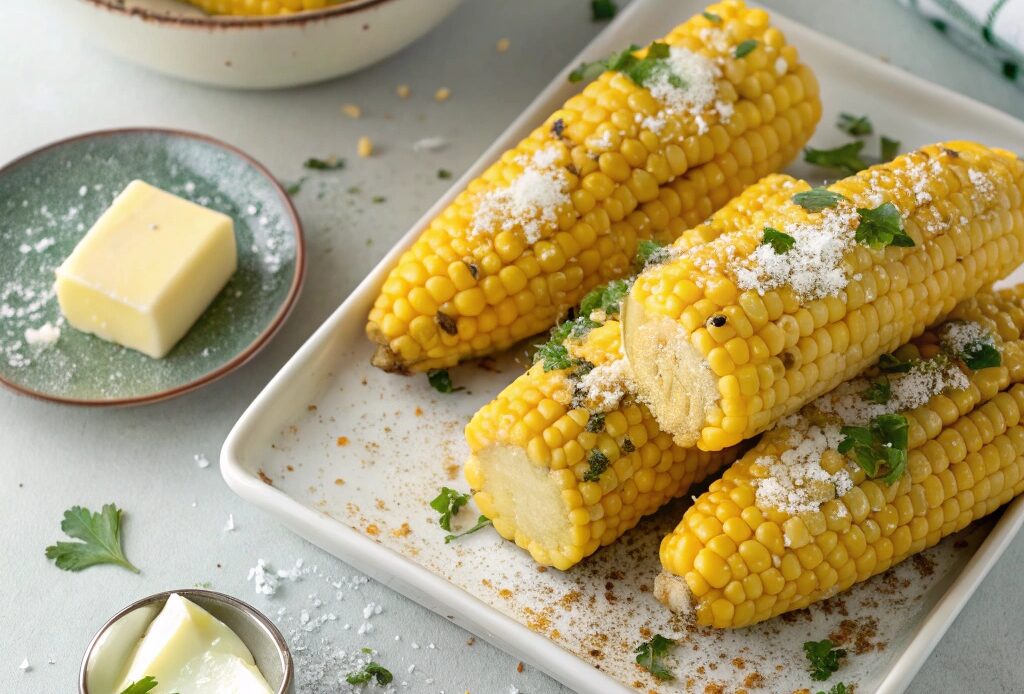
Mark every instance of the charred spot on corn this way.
pixel 446 323
pixel 628 446
pixel 718 321
pixel 558 127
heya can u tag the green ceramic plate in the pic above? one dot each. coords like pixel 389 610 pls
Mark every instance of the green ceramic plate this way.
pixel 50 198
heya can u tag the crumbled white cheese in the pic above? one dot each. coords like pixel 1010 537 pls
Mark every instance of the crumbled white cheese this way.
pixel 201 460
pixel 429 144
pixel 43 336
pixel 796 482
pixel 605 385
pixel 230 525
pixel 958 336
pixel 531 202
pixel 688 84
pixel 982 183
pixel 25 667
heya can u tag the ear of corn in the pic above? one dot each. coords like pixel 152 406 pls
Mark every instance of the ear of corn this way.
pixel 732 336
pixel 562 212
pixel 259 7
pixel 562 474
pixel 737 558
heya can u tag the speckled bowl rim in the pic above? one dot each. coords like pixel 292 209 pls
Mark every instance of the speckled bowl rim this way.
pixel 254 347
pixel 299 19
pixel 287 683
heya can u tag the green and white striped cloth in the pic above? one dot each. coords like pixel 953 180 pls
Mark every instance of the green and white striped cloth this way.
pixel 993 30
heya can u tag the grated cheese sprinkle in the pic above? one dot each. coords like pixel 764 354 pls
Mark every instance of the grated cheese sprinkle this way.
pixel 957 336
pixel 699 76
pixel 531 202
pixel 604 386
pixel 796 482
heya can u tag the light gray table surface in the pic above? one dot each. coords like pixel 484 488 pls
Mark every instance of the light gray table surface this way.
pixel 54 84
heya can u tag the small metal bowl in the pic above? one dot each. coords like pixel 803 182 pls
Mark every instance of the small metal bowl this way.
pixel 258 633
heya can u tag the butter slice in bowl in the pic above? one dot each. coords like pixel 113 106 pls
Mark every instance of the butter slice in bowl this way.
pixel 188 650
pixel 147 269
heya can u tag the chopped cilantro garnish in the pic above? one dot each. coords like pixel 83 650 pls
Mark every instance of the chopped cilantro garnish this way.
pixel 100 540
pixel 554 355
pixel 441 381
pixel 650 653
pixel 448 503
pixel 838 688
pixel 628 446
pixel 648 252
pixel 890 148
pixel 142 686
pixel 845 158
pixel 981 355
pixel 329 164
pixel 890 363
pixel 482 521
pixel 878 392
pixel 377 199
pixel 607 298
pixel 745 48
pixel 595 423
pixel 780 241
pixel 370 671
pixel 598 464
pixel 712 17
pixel 640 70
pixel 882 445
pixel 444 174
pixel 294 188
pixel 854 125
pixel 602 9
pixel 817 199
pixel 881 227
pixel 823 658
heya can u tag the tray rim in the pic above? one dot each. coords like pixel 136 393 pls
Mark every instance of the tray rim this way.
pixel 434 592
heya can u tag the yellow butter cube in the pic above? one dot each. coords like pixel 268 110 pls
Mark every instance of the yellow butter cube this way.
pixel 147 269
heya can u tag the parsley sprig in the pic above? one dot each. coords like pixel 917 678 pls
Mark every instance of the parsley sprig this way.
pixel 598 462
pixel 370 671
pixel 100 540
pixel 838 688
pixel 448 503
pixel 890 363
pixel 745 48
pixel 554 354
pixel 881 227
pixel 482 521
pixel 878 392
pixel 649 252
pixel 857 126
pixel 845 158
pixel 650 653
pixel 331 163
pixel 601 10
pixel 641 70
pixel 880 449
pixel 817 199
pixel 823 657
pixel 441 381
pixel 981 355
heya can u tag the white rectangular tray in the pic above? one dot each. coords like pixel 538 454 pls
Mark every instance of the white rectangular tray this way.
pixel 367 501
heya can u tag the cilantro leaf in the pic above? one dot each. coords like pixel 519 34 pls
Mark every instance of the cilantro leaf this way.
pixel 140 686
pixel 745 48
pixel 881 227
pixel 444 174
pixel 838 688
pixel 882 445
pixel 890 148
pixel 331 163
pixel 650 653
pixel 854 125
pixel 878 392
pixel 607 298
pixel 601 10
pixel 649 252
pixel 554 355
pixel 817 199
pixel 595 423
pixel 441 380
pixel 712 17
pixel 482 521
pixel 890 363
pixel 845 158
pixel 780 241
pixel 294 188
pixel 448 503
pixel 370 671
pixel 823 658
pixel 598 464
pixel 981 355
pixel 100 535
pixel 640 70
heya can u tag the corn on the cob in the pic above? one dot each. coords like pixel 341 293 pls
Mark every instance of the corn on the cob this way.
pixel 795 521
pixel 735 334
pixel 562 212
pixel 259 7
pixel 539 450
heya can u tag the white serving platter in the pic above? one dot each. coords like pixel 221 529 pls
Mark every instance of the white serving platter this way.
pixel 353 457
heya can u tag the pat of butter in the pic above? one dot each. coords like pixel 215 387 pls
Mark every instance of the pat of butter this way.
pixel 188 650
pixel 147 269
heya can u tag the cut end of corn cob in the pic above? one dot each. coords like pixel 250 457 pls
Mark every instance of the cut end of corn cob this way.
pixel 794 521
pixel 733 335
pixel 566 460
pixel 259 7
pixel 562 213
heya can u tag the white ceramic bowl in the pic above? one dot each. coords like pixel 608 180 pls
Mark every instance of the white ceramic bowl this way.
pixel 256 52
